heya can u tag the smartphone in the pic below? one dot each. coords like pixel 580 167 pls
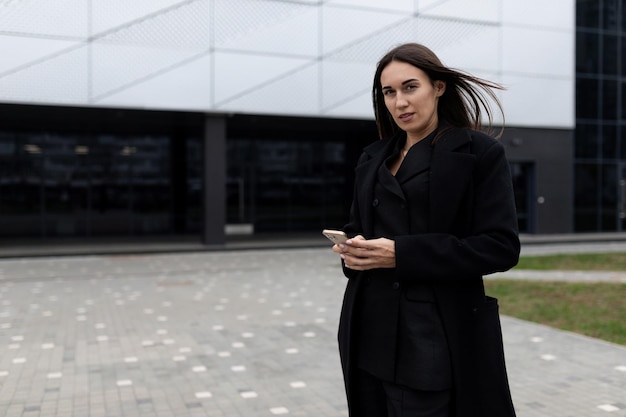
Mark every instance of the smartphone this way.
pixel 335 236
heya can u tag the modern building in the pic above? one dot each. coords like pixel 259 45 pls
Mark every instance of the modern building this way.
pixel 600 145
pixel 205 118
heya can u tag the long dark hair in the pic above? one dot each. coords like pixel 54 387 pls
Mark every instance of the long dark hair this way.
pixel 462 103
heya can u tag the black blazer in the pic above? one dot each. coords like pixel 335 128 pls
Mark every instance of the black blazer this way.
pixel 416 356
pixel 472 232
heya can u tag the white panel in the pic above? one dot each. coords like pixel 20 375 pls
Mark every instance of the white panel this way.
pixel 60 79
pixel 108 14
pixel 237 74
pixel 537 102
pixel 395 5
pixel 20 51
pixel 463 45
pixel 187 87
pixel 554 14
pixel 243 18
pixel 183 27
pixel 478 10
pixel 538 51
pixel 435 33
pixel 341 82
pixel 293 94
pixel 342 27
pixel 52 18
pixel 120 66
pixel 360 107
pixel 298 34
pixel 154 53
pixel 371 49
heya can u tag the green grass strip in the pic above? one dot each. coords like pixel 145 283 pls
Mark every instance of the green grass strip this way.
pixel 593 309
pixel 579 262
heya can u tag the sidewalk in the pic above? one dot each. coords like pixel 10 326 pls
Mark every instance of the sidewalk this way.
pixel 231 334
pixel 573 276
pixel 536 244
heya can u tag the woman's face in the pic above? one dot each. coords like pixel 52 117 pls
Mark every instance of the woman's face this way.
pixel 411 98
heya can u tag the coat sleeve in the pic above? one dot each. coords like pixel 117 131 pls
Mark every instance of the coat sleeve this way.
pixel 491 243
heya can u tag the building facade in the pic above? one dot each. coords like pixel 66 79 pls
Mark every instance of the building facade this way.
pixel 600 146
pixel 209 117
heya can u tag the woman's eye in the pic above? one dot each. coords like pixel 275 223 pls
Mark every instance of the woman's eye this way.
pixel 388 92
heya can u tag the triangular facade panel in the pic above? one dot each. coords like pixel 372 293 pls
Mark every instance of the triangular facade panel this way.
pixel 270 32
pixel 239 22
pixel 238 74
pixel 343 27
pixel 117 67
pixel 406 6
pixel 341 81
pixel 187 87
pixel 58 18
pixel 111 14
pixel 20 52
pixel 59 79
pixel 358 107
pixel 164 29
pixel 296 93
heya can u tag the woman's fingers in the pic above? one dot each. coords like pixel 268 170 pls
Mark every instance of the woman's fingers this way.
pixel 369 254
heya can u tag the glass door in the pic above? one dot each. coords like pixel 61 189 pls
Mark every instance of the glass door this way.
pixel 523 174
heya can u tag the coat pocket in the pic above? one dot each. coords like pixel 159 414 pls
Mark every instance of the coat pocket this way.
pixel 492 394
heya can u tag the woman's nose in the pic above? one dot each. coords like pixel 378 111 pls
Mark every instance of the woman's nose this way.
pixel 401 101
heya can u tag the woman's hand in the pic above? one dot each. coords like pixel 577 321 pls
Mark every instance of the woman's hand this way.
pixel 361 254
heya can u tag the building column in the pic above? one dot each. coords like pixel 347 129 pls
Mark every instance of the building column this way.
pixel 214 180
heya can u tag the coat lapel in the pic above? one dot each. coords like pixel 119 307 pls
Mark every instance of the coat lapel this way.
pixel 451 168
pixel 365 173
pixel 451 173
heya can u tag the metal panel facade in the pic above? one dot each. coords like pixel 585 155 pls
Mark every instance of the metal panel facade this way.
pixel 304 58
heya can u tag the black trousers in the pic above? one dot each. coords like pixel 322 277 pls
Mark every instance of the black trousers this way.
pixel 378 398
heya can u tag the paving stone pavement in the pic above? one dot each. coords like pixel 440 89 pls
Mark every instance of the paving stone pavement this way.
pixel 230 334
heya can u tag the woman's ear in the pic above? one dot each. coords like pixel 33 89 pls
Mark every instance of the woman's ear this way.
pixel 440 87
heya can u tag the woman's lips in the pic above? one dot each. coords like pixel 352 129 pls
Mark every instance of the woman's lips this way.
pixel 406 117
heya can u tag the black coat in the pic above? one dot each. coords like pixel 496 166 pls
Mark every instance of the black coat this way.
pixel 472 232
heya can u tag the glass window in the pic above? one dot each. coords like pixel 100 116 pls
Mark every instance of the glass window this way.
pixel 150 166
pixel 623 91
pixel 286 185
pixel 586 197
pixel 587 53
pixel 66 185
pixel 587 98
pixel 588 13
pixel 85 174
pixel 609 142
pixel 131 185
pixel 21 184
pixel 587 141
pixel 610 15
pixel 609 54
pixel 194 186
pixel 609 100
pixel 523 185
pixel 623 49
pixel 609 209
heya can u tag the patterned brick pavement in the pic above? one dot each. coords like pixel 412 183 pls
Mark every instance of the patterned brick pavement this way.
pixel 239 333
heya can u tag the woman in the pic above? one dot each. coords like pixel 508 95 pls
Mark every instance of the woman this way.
pixel 433 212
